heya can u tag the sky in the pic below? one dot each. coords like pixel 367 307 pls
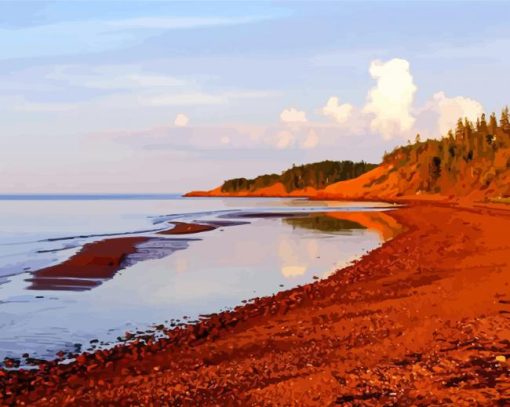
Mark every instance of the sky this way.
pixel 161 97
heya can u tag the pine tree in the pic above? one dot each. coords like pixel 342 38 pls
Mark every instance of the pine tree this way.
pixel 459 131
pixel 483 125
pixel 504 121
pixel 468 138
pixel 493 124
pixel 481 136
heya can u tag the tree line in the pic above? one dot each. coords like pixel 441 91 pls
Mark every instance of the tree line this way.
pixel 316 175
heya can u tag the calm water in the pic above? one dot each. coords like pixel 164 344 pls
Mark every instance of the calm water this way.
pixel 203 273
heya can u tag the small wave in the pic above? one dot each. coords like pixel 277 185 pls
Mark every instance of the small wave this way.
pixel 172 216
pixel 136 232
pixel 60 249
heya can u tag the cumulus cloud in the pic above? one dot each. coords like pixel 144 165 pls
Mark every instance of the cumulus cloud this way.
pixel 338 112
pixel 284 139
pixel 388 112
pixel 451 109
pixel 311 140
pixel 181 120
pixel 292 115
pixel 390 100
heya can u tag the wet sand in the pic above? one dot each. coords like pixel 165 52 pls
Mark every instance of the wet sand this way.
pixel 99 261
pixel 425 319
pixel 95 262
pixel 182 228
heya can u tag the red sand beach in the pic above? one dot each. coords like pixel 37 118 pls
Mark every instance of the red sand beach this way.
pixel 182 228
pixel 99 261
pixel 425 319
pixel 94 262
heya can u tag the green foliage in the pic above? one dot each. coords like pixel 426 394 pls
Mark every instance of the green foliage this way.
pixel 446 161
pixel 243 184
pixel 319 175
pixel 316 175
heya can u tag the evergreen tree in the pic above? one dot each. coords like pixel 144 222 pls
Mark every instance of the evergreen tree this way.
pixel 316 175
pixel 493 124
pixel 465 154
pixel 483 124
pixel 459 131
pixel 504 121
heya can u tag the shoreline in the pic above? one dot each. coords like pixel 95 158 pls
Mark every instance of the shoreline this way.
pixel 183 228
pixel 391 313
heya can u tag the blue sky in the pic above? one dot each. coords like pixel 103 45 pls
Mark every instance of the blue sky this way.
pixel 90 92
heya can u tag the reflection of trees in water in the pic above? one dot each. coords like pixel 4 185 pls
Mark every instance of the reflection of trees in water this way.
pixel 323 223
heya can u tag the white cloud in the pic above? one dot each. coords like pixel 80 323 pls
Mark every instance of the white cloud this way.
pixel 77 37
pixel 181 120
pixel 311 140
pixel 292 115
pixel 118 87
pixel 451 109
pixel 126 77
pixel 284 139
pixel 225 140
pixel 338 112
pixel 390 101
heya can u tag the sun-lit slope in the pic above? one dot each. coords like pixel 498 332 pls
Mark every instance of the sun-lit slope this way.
pixel 275 190
pixel 478 178
pixel 471 164
pixel 383 182
pixel 373 184
pixel 301 180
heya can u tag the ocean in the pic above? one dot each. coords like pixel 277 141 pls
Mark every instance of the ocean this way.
pixel 174 276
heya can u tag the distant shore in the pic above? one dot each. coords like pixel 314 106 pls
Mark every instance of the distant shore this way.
pixel 423 319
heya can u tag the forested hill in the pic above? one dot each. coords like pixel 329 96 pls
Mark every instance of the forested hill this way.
pixel 473 157
pixel 316 175
pixel 471 161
